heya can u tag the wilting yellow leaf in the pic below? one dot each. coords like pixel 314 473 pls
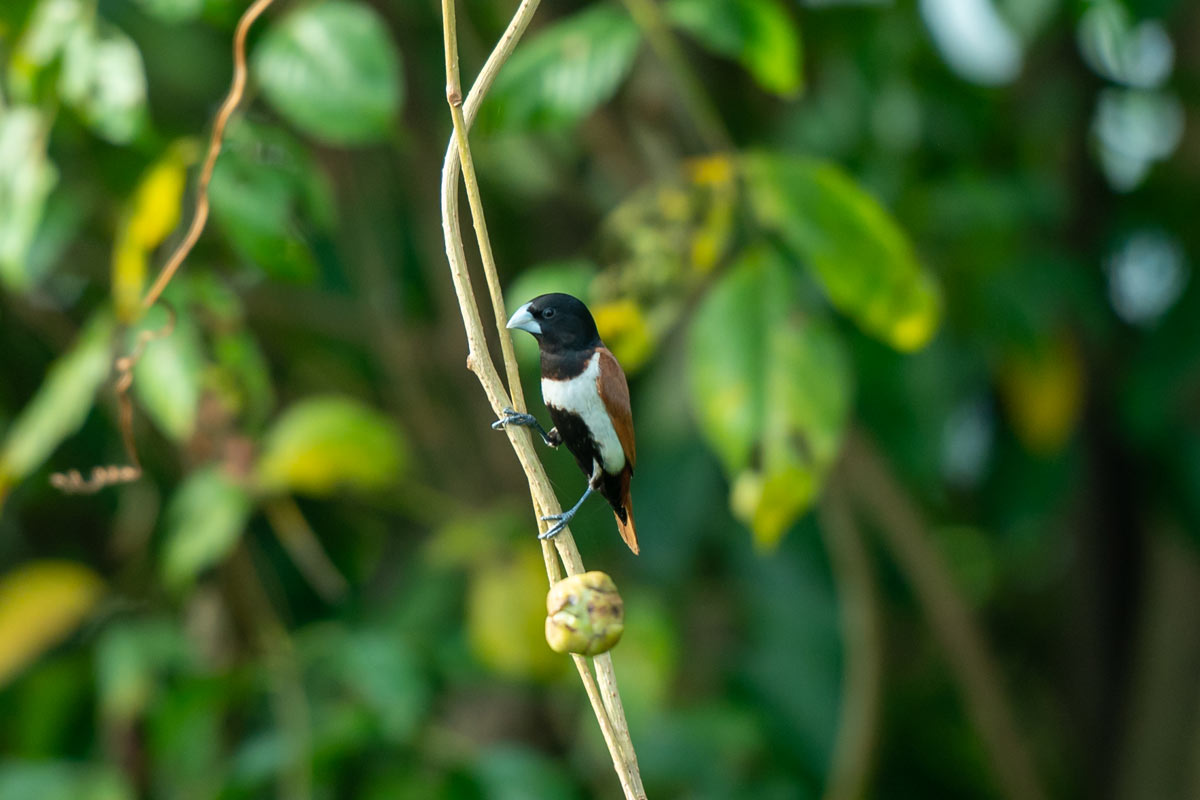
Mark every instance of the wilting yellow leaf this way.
pixel 710 170
pixel 324 443
pixel 1043 394
pixel 624 329
pixel 506 615
pixel 40 603
pixel 153 213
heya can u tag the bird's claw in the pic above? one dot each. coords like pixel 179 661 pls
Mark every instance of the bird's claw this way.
pixel 557 529
pixel 513 417
pixel 563 519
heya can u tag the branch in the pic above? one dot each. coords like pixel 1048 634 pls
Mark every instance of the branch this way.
pixel 973 666
pixel 72 482
pixel 200 217
pixel 603 692
pixel 858 726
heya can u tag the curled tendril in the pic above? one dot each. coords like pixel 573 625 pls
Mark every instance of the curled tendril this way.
pixel 72 481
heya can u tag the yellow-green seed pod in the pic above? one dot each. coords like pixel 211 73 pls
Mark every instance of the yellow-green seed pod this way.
pixel 585 614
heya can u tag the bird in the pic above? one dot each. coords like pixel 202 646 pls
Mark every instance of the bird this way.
pixel 587 395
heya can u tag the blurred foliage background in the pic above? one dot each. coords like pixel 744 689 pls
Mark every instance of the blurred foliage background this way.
pixel 905 295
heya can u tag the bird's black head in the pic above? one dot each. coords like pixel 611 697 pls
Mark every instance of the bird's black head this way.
pixel 558 321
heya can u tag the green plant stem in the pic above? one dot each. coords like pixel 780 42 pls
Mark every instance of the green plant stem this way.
pixel 858 726
pixel 649 17
pixel 906 535
pixel 605 696
pixel 304 548
pixel 287 698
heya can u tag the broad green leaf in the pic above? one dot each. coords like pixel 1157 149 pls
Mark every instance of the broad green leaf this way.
pixel 506 616
pixel 173 11
pixel 511 772
pixel 323 443
pixel 26 178
pixel 52 23
pixel 333 71
pixel 104 81
pixel 771 391
pixel 130 658
pixel 855 250
pixel 40 604
pixel 564 72
pixel 61 403
pixel 760 34
pixel 204 521
pixel 266 191
pixel 62 780
pixel 167 379
pixel 243 376
pixel 379 670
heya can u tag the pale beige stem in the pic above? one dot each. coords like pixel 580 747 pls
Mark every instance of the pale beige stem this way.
pixel 605 698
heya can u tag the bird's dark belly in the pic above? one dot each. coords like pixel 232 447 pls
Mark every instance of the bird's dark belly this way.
pixel 577 437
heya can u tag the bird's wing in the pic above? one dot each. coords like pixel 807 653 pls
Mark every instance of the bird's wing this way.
pixel 614 391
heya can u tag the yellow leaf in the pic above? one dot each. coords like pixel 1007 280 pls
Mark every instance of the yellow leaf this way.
pixel 321 444
pixel 40 604
pixel 157 200
pixel 130 261
pixel 153 213
pixel 1043 394
pixel 710 170
pixel 624 329
pixel 506 615
pixel 769 504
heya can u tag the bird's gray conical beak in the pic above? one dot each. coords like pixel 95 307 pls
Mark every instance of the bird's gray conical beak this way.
pixel 523 320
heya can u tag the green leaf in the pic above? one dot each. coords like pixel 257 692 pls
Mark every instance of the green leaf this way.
pixel 855 250
pixel 103 79
pixel 26 178
pixel 771 391
pixel 323 443
pixel 244 376
pixel 565 72
pixel 333 71
pixel 131 658
pixel 506 617
pixel 167 380
pixel 264 188
pixel 173 11
pixel 760 34
pixel 61 404
pixel 62 780
pixel 205 519
pixel 508 772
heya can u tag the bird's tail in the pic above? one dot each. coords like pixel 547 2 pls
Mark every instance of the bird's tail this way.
pixel 628 532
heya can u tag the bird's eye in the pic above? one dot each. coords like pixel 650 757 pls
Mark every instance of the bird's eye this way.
pixel 548 313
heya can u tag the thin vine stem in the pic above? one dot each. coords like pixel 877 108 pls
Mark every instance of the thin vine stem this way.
pixel 906 535
pixel 72 481
pixel 604 693
pixel 237 88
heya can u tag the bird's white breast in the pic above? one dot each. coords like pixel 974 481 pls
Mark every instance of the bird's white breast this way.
pixel 581 396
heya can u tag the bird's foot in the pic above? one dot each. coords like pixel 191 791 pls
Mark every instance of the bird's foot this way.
pixel 512 417
pixel 563 520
